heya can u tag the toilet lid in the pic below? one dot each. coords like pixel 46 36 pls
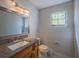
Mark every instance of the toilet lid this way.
pixel 43 47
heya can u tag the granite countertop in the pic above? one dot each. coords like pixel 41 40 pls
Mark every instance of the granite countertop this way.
pixel 5 52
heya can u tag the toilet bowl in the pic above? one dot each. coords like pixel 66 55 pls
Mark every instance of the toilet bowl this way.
pixel 43 50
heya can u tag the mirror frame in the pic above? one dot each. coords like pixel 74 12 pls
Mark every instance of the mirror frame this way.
pixel 14 12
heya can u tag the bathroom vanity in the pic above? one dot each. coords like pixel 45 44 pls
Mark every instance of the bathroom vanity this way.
pixel 14 31
pixel 21 48
pixel 30 51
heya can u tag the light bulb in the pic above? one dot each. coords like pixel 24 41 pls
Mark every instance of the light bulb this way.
pixel 13 3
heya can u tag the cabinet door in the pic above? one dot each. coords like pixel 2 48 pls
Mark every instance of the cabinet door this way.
pixel 23 53
pixel 29 55
pixel 35 51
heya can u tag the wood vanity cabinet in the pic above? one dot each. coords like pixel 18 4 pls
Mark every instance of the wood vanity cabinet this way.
pixel 35 51
pixel 30 52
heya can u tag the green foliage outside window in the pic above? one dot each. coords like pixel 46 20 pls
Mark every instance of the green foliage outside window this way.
pixel 58 18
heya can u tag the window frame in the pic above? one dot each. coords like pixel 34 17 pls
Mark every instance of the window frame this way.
pixel 58 24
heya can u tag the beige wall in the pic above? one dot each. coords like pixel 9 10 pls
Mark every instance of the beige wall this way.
pixel 62 35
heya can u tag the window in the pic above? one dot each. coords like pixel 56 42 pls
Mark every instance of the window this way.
pixel 58 18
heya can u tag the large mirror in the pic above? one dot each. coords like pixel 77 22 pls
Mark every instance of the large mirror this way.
pixel 12 23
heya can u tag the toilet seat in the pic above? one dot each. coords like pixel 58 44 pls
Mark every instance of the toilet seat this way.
pixel 43 48
pixel 43 51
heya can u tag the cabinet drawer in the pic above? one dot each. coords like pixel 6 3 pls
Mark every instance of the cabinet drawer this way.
pixel 23 53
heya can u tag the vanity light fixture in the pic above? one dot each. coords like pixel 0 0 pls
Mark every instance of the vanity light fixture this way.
pixel 17 8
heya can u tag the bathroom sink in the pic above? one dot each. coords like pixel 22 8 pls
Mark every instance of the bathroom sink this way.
pixel 29 39
pixel 15 46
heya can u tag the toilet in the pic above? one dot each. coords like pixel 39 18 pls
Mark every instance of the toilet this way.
pixel 44 51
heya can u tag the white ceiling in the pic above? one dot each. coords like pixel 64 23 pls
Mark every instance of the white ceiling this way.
pixel 47 3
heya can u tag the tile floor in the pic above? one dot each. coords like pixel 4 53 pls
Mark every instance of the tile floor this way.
pixel 55 55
